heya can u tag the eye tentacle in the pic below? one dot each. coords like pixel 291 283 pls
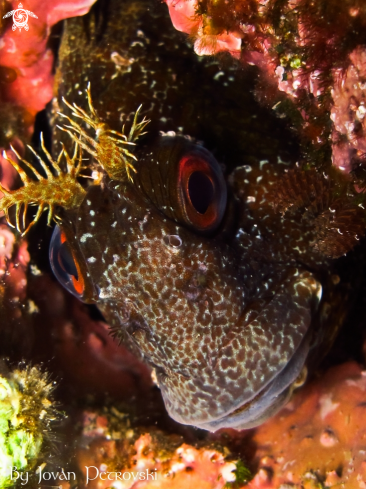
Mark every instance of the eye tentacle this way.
pixel 90 101
pixel 24 215
pixel 108 147
pixel 61 189
pixel 47 171
pixel 120 134
pixel 137 127
pixel 17 215
pixel 80 142
pixel 23 175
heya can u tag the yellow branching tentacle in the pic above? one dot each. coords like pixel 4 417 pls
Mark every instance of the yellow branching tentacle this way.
pixel 59 189
pixel 109 147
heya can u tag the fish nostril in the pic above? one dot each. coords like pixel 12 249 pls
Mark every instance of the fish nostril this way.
pixel 172 240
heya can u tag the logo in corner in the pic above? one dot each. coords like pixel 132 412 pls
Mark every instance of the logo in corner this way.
pixel 20 18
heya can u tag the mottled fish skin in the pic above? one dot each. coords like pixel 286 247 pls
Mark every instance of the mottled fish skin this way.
pixel 227 318
pixel 184 303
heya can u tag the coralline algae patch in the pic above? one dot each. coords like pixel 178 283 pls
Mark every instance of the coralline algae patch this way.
pixel 319 439
pixel 119 456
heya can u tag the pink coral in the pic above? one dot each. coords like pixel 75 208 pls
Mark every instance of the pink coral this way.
pixel 184 19
pixel 348 112
pixel 27 54
pixel 211 44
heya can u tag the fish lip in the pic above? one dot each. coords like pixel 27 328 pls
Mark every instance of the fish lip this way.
pixel 269 400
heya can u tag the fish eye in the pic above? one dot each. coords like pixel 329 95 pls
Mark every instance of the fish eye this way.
pixel 64 264
pixel 203 192
pixel 185 182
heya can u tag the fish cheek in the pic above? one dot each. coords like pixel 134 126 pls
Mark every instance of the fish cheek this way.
pixel 198 389
pixel 251 362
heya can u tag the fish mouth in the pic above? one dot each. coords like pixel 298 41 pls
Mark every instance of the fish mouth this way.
pixel 270 399
pixel 254 386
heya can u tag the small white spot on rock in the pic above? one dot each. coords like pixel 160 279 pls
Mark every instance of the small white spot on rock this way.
pixel 328 438
pixel 326 405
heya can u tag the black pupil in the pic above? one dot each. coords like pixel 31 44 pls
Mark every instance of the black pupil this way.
pixel 67 261
pixel 201 191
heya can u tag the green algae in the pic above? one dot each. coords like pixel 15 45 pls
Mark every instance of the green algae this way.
pixel 26 412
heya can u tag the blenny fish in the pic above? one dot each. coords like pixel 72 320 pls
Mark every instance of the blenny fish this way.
pixel 210 250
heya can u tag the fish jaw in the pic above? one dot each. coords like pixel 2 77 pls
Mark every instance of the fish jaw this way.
pixel 275 345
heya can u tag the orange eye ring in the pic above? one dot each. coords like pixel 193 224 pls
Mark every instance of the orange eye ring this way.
pixel 64 264
pixel 78 282
pixel 78 285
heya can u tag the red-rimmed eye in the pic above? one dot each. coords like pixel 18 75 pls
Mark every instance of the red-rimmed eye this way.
pixel 185 182
pixel 64 265
pixel 202 190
